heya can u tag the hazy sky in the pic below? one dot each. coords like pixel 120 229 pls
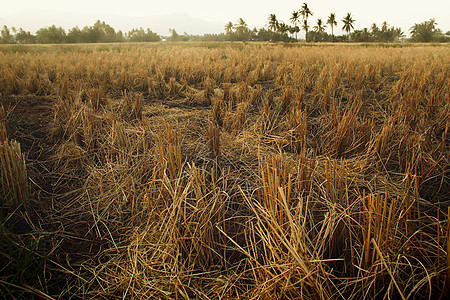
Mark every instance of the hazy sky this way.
pixel 401 13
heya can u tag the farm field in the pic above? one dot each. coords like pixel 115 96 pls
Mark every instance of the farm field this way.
pixel 225 171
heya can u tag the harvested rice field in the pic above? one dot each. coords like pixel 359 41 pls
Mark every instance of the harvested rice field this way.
pixel 225 171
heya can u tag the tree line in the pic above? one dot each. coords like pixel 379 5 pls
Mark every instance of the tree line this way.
pixel 276 30
pixel 100 32
pixel 423 32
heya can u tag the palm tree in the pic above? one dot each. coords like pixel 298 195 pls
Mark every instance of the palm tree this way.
pixel 273 23
pixel 241 26
pixel 305 12
pixel 398 33
pixel 241 29
pixel 229 27
pixel 292 30
pixel 332 22
pixel 305 26
pixel 319 27
pixel 283 28
pixel 375 31
pixel 294 19
pixel 348 24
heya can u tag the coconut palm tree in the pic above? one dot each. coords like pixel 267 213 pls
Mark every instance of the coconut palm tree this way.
pixel 305 12
pixel 398 33
pixel 332 22
pixel 229 27
pixel 348 24
pixel 375 31
pixel 320 28
pixel 283 28
pixel 305 27
pixel 241 29
pixel 292 30
pixel 294 19
pixel 273 23
pixel 241 26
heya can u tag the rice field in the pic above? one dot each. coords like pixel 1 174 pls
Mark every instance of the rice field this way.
pixel 225 171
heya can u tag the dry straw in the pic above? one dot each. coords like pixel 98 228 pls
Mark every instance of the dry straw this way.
pixel 241 171
pixel 14 178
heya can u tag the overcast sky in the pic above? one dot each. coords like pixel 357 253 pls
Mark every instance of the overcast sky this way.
pixel 400 13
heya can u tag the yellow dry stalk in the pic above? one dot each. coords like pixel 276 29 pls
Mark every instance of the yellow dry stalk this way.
pixel 347 123
pixel 297 124
pixel 132 106
pixel 213 138
pixel 14 179
pixel 208 89
pixel 255 97
pixel 168 152
pixel 276 186
pixel 3 125
pixel 381 216
pixel 97 97
pixel 218 112
pixel 120 138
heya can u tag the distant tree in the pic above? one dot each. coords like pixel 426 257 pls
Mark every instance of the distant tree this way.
pixel 399 33
pixel 348 24
pixel 51 35
pixel 319 29
pixel 305 12
pixel 241 24
pixel 384 31
pixel 265 35
pixel 100 32
pixel 283 28
pixel 268 35
pixel 221 37
pixel 375 32
pixel 90 34
pixel 363 35
pixel 242 30
pixel 424 32
pixel 366 36
pixel 121 36
pixel 305 27
pixel 295 16
pixel 75 35
pixel 6 37
pixel 273 23
pixel 141 35
pixel 25 37
pixel 174 36
pixel 332 22
pixel 293 30
pixel 107 33
pixel 229 27
pixel 384 34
